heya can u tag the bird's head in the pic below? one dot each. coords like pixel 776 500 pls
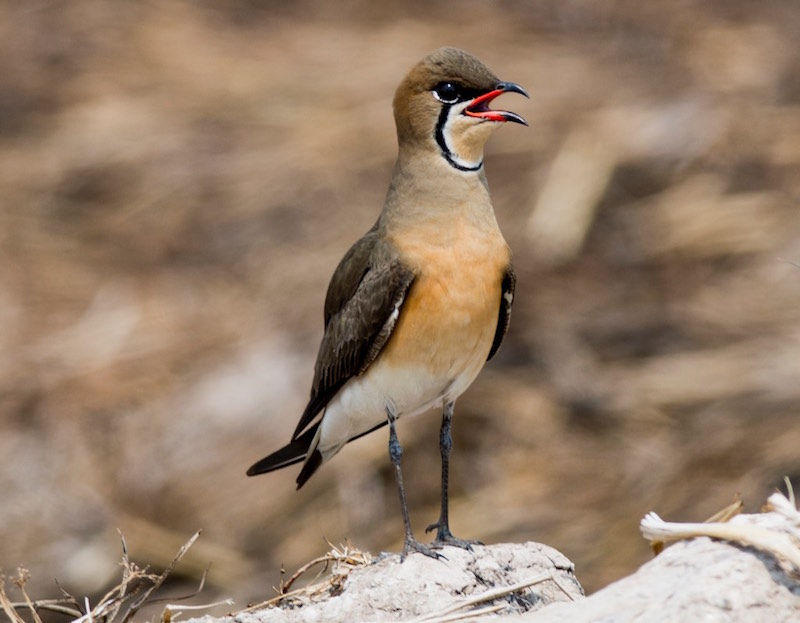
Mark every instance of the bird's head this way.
pixel 443 105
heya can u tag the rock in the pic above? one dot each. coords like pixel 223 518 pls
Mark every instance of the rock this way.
pixel 744 568
pixel 391 590
pixel 697 580
pixel 753 575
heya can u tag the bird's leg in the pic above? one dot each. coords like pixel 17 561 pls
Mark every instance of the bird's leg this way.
pixel 410 544
pixel 442 526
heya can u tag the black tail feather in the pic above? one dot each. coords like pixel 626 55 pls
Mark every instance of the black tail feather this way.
pixel 309 467
pixel 297 451
pixel 293 452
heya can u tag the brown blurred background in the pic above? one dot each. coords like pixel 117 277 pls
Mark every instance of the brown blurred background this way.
pixel 178 180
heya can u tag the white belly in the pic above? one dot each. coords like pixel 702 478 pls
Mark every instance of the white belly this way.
pixel 361 404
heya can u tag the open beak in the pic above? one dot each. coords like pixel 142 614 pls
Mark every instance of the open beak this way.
pixel 479 107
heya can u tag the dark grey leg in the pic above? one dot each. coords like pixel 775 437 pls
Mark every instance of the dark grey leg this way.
pixel 410 544
pixel 442 526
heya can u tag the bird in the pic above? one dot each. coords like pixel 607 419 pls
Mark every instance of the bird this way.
pixel 417 305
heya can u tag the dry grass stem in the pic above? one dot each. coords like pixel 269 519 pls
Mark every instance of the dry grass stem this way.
pixel 727 513
pixel 171 610
pixel 8 607
pixel 488 596
pixel 469 614
pixel 790 492
pixel 344 559
pixel 134 590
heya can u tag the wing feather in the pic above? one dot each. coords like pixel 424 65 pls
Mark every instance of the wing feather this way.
pixel 507 298
pixel 363 303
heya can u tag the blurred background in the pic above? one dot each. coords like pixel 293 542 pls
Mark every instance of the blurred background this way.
pixel 179 179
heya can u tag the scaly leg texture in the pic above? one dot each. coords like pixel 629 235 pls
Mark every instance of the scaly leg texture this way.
pixel 443 534
pixel 410 544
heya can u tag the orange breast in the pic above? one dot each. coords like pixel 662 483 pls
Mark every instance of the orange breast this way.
pixel 449 317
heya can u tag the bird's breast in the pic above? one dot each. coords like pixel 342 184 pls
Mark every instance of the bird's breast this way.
pixel 449 318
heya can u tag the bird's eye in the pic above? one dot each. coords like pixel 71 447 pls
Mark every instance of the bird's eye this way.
pixel 447 92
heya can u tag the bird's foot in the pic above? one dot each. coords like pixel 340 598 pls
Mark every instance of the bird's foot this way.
pixel 411 545
pixel 445 537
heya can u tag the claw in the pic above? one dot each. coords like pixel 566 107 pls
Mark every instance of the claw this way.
pixel 453 541
pixel 412 545
pixel 445 537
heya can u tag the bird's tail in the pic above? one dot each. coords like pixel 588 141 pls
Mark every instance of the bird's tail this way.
pixel 293 452
pixel 303 448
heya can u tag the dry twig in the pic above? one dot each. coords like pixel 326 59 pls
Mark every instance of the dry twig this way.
pixel 344 559
pixel 448 614
pixel 134 591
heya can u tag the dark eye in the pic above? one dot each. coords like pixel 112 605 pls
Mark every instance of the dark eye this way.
pixel 447 92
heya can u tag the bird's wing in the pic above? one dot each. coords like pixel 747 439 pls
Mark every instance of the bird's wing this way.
pixel 507 298
pixel 361 309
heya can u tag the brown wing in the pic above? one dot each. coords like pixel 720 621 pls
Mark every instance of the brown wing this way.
pixel 507 298
pixel 361 308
